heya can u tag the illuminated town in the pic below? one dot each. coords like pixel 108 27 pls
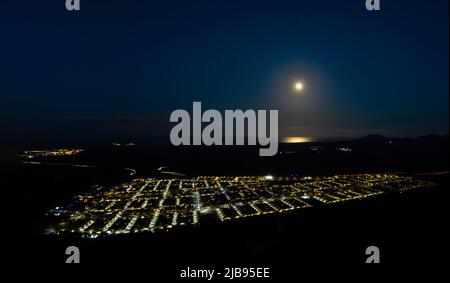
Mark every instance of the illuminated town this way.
pixel 152 205
pixel 30 154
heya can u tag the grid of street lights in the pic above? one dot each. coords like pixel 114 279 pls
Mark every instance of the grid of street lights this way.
pixel 152 205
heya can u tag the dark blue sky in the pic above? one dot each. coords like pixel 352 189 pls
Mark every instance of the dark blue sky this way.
pixel 121 67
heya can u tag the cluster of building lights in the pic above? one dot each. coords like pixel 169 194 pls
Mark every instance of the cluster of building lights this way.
pixel 151 205
pixel 30 154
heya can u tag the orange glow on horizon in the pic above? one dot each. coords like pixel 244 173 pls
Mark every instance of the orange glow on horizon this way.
pixel 297 139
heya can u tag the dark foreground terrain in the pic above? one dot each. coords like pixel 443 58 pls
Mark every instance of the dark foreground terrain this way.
pixel 408 228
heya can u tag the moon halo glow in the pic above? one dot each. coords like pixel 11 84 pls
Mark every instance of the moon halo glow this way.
pixel 298 86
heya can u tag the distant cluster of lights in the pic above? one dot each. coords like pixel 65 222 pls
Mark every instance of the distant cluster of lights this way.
pixel 48 153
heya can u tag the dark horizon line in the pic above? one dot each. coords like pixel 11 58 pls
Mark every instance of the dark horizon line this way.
pixel 29 142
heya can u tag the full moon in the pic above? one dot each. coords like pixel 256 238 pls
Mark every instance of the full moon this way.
pixel 298 86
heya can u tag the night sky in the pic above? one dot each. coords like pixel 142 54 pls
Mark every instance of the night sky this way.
pixel 119 68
